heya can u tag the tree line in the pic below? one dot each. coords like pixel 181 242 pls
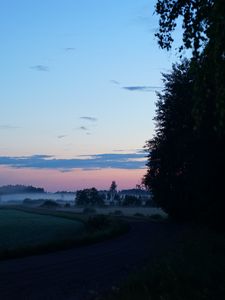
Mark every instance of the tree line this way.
pixel 132 197
pixel 186 159
pixel 20 189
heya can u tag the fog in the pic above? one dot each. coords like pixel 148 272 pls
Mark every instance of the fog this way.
pixel 35 196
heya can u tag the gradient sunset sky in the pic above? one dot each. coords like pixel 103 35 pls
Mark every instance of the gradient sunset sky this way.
pixel 78 82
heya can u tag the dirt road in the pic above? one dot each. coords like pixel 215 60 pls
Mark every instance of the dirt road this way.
pixel 81 273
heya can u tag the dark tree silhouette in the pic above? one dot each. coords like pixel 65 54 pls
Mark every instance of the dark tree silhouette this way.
pixel 199 17
pixel 113 191
pixel 186 159
pixel 170 151
pixel 89 197
pixel 203 32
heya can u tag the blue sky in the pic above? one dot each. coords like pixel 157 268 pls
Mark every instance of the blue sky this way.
pixel 78 78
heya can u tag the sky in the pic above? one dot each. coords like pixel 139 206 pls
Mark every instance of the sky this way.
pixel 78 82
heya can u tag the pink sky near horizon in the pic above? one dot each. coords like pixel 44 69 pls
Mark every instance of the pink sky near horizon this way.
pixel 55 180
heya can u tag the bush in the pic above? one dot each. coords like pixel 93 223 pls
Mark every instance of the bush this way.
pixel 117 213
pixel 89 210
pixel 156 217
pixel 50 204
pixel 150 203
pixel 27 201
pixel 138 215
pixel 33 202
pixel 131 201
pixel 98 222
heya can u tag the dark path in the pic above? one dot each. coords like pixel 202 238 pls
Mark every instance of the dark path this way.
pixel 81 272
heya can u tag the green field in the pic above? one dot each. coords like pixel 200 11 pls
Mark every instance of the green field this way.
pixel 27 231
pixel 21 231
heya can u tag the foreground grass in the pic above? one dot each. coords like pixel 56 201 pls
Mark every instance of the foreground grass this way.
pixel 29 231
pixel 18 228
pixel 194 269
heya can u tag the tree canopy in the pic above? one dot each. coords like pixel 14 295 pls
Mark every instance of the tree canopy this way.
pixel 170 151
pixel 186 159
pixel 90 197
pixel 200 18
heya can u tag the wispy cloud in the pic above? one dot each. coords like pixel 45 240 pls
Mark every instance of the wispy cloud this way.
pixel 40 68
pixel 83 128
pixel 115 82
pixel 85 162
pixel 61 136
pixel 137 88
pixel 8 127
pixel 92 169
pixel 68 49
pixel 141 150
pixel 92 119
pixel 142 88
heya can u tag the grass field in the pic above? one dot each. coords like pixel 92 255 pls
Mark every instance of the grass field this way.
pixel 26 231
pixel 23 230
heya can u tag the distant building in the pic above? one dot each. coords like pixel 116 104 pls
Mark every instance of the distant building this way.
pixel 142 195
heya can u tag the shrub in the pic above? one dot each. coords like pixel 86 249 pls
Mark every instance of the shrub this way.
pixel 156 217
pixel 98 222
pixel 33 202
pixel 50 204
pixel 117 212
pixel 138 215
pixel 27 201
pixel 150 203
pixel 131 201
pixel 89 210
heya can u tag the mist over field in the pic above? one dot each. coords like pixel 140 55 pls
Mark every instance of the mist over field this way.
pixel 35 196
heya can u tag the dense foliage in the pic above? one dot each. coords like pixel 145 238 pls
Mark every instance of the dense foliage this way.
pixel 131 201
pixel 50 204
pixel 88 197
pixel 170 152
pixel 186 157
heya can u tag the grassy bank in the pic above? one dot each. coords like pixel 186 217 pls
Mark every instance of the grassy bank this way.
pixel 194 269
pixel 29 231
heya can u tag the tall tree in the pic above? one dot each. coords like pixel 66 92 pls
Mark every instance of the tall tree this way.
pixel 113 191
pixel 170 154
pixel 197 184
